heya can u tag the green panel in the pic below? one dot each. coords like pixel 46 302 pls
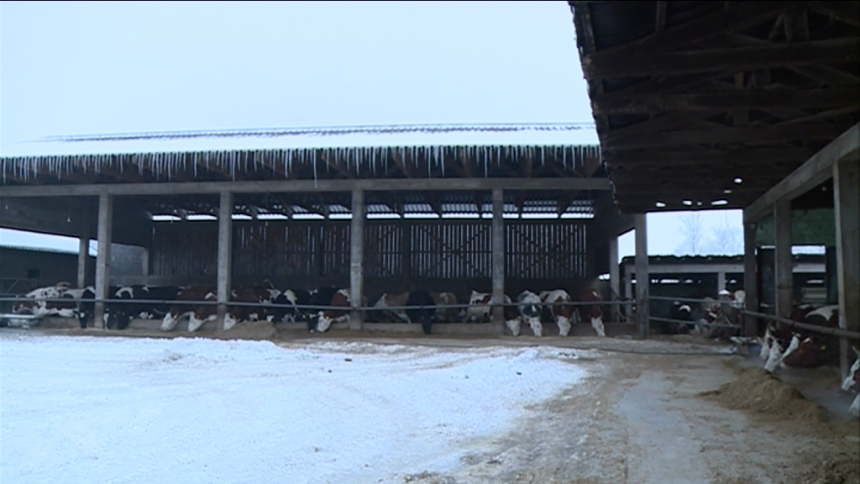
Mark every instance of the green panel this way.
pixel 808 227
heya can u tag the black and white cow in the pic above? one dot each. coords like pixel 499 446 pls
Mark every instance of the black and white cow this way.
pixel 530 308
pixel 426 310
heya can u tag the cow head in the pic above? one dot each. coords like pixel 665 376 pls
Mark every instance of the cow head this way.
pixel 777 355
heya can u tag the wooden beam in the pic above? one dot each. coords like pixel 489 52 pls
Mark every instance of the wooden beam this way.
pixel 784 263
pixel 740 99
pixel 225 253
pixel 745 134
pixel 660 21
pixel 311 186
pixel 661 63
pixel 665 122
pixel 846 200
pixel 809 175
pixel 694 158
pixel 848 12
pixel 739 16
pixel 105 232
pixel 356 259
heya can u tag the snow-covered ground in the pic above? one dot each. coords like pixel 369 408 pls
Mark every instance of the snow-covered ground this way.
pixel 97 409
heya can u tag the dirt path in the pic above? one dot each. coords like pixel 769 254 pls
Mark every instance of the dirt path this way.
pixel 643 419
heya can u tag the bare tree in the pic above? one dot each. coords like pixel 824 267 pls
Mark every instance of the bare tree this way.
pixel 726 240
pixel 692 233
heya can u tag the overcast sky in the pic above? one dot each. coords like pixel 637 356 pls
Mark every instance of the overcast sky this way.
pixel 107 67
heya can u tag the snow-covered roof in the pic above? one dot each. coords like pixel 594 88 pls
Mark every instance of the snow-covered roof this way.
pixel 501 134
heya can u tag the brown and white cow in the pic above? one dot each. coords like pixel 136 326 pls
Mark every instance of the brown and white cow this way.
pixel 592 311
pixel 563 315
pixel 445 299
pixel 806 349
pixel 184 308
pixel 393 300
pixel 327 317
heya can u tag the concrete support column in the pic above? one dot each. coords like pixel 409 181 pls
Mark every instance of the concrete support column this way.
pixel 846 200
pixel 83 255
pixel 356 259
pixel 225 255
pixel 750 279
pixel 498 237
pixel 783 262
pixel 105 232
pixel 614 278
pixel 643 278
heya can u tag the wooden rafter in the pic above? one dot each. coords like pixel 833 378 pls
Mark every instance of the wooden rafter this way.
pixel 710 60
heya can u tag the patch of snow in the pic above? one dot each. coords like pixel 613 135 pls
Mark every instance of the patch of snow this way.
pixel 87 409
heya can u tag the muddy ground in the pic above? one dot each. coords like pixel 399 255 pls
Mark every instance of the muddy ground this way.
pixel 663 410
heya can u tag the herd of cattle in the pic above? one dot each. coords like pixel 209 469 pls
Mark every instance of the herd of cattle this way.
pixel 318 308
pixel 782 346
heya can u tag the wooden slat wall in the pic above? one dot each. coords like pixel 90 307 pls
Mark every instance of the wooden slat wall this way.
pixel 406 250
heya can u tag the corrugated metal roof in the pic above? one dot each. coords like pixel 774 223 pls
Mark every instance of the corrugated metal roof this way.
pixel 315 137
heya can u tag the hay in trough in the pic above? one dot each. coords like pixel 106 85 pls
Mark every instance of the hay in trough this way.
pixel 757 391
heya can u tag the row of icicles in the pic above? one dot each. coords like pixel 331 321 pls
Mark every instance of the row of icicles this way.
pixel 374 159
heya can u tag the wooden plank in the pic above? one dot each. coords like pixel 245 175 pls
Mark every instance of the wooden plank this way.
pixel 105 232
pixel 225 254
pixel 739 16
pixel 783 264
pixel 696 157
pixel 809 175
pixel 745 134
pixel 846 200
pixel 662 63
pixel 740 99
pixel 356 259
pixel 498 260
pixel 643 278
pixel 311 186
pixel 848 12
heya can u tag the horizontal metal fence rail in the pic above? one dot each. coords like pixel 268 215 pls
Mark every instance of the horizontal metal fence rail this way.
pixel 301 306
pixel 695 323
pixel 809 327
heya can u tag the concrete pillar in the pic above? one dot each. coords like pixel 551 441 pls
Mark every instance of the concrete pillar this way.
pixel 83 255
pixel 643 278
pixel 498 237
pixel 614 281
pixel 750 279
pixel 783 262
pixel 356 259
pixel 846 200
pixel 105 232
pixel 225 255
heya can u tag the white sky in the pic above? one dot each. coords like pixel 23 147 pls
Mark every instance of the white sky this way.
pixel 200 410
pixel 72 68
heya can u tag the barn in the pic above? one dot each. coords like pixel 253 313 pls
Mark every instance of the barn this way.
pixel 745 105
pixel 439 214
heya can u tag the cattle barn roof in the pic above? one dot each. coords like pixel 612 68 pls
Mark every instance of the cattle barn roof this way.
pixel 707 105
pixel 545 153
